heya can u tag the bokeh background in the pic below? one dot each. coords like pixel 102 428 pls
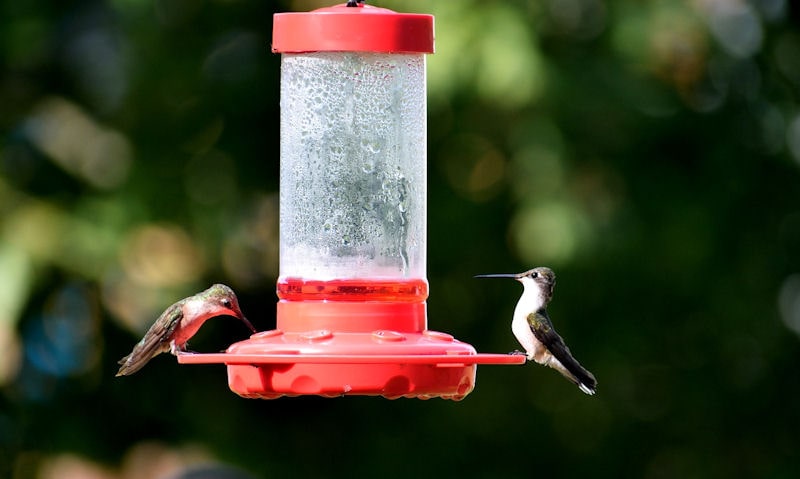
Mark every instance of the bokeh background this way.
pixel 648 151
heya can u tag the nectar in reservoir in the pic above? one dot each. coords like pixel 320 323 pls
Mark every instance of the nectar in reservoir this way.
pixel 394 290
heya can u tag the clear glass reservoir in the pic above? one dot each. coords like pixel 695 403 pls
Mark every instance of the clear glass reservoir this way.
pixel 353 176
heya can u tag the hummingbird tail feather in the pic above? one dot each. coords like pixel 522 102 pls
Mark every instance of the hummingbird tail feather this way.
pixel 572 370
pixel 586 389
pixel 143 352
pixel 129 367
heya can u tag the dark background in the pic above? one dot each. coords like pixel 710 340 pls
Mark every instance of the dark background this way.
pixel 649 152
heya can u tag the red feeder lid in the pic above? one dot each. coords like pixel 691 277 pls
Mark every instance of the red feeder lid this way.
pixel 362 28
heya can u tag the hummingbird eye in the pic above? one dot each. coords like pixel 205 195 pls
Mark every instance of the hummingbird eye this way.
pixel 534 275
pixel 226 302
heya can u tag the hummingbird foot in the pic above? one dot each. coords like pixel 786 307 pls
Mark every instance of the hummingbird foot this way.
pixel 175 349
pixel 517 352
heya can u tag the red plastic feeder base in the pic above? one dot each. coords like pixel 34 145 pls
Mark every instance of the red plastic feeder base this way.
pixel 423 365
pixel 377 349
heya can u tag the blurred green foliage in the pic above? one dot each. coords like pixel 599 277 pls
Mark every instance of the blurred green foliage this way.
pixel 648 151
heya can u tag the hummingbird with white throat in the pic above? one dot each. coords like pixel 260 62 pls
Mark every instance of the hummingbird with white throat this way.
pixel 178 323
pixel 533 329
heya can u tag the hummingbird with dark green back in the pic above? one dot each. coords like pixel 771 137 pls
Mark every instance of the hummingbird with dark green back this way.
pixel 533 329
pixel 178 323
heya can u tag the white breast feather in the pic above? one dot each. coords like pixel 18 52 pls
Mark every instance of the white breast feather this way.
pixel 530 301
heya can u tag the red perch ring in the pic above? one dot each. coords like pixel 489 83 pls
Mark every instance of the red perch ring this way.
pixel 383 362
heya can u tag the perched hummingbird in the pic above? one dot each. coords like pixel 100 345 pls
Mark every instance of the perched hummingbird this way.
pixel 179 323
pixel 534 331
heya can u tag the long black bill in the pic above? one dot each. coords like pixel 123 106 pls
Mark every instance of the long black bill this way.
pixel 501 275
pixel 245 321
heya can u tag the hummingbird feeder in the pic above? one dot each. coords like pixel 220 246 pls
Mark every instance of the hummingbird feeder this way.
pixel 351 315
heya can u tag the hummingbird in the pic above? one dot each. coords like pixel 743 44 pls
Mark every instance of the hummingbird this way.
pixel 533 329
pixel 178 323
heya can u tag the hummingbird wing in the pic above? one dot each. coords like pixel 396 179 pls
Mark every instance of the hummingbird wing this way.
pixel 567 365
pixel 154 342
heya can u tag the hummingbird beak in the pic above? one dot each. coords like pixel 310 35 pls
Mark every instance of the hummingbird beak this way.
pixel 237 313
pixel 249 325
pixel 501 275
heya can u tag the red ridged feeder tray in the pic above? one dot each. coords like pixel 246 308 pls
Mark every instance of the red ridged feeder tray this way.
pixel 352 316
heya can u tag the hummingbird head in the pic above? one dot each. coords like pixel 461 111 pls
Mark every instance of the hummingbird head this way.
pixel 543 278
pixel 220 300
